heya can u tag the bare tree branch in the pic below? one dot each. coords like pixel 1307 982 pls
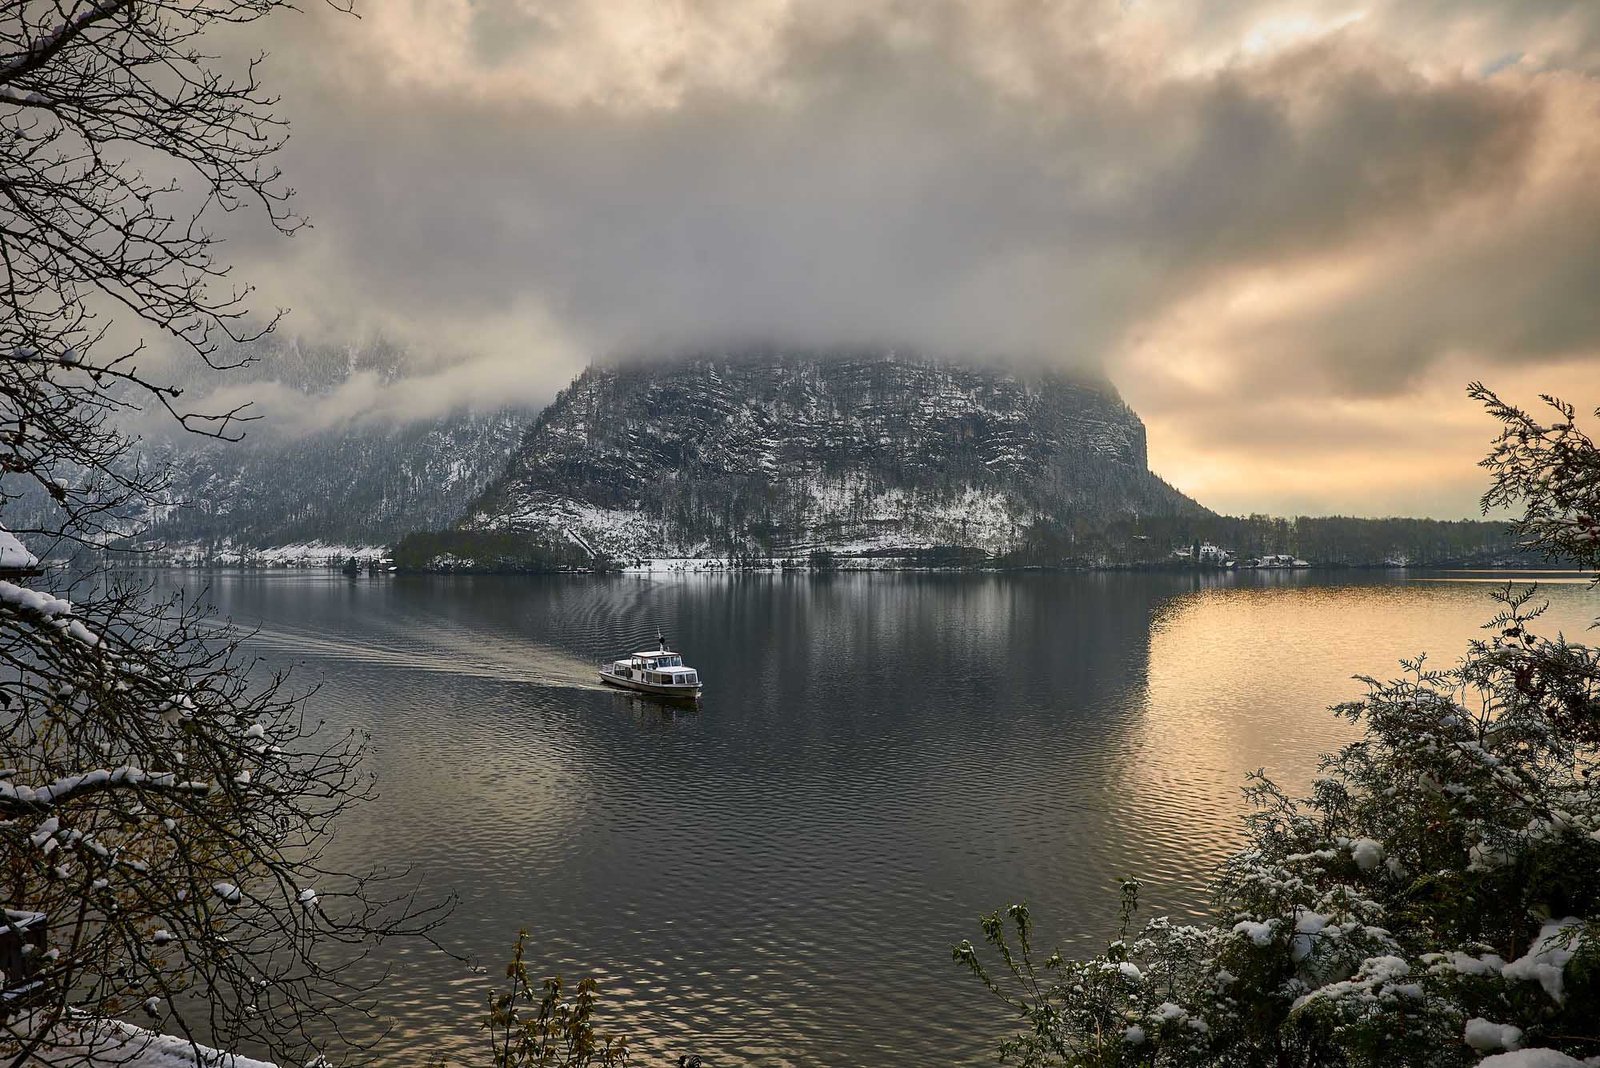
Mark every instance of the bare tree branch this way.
pixel 165 814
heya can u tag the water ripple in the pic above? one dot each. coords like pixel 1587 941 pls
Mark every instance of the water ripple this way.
pixel 776 877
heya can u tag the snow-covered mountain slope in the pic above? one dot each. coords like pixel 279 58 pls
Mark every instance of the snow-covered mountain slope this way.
pixel 352 485
pixel 779 456
pixel 317 476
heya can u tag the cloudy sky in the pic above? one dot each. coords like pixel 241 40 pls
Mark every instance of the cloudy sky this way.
pixel 1289 232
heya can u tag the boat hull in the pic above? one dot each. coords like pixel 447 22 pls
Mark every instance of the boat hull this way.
pixel 656 688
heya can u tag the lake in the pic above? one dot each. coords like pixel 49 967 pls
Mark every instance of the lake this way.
pixel 777 878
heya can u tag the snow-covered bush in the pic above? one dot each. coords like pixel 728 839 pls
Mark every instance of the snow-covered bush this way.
pixel 1434 900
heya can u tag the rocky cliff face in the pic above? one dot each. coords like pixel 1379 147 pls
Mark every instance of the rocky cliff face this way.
pixel 783 455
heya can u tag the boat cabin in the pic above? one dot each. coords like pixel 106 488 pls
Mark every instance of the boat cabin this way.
pixel 658 671
pixel 658 668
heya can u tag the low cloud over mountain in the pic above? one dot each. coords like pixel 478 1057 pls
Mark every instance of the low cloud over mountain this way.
pixel 1230 208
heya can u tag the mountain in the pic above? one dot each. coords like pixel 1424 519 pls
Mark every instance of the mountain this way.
pixel 318 476
pixel 782 456
pixel 332 490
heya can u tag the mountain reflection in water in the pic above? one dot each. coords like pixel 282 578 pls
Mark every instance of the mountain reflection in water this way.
pixel 777 877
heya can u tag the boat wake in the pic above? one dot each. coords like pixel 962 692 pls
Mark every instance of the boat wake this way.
pixel 473 657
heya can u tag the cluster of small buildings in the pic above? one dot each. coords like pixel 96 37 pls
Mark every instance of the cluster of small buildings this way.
pixel 1205 554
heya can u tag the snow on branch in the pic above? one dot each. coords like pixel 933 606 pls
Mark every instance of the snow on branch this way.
pixel 15 798
pixel 43 49
pixel 47 607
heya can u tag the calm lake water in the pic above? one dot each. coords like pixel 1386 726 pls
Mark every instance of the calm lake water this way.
pixel 778 877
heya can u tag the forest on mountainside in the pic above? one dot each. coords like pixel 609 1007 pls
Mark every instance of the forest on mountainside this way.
pixel 1325 541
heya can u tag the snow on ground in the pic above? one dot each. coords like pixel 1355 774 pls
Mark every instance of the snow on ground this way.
pixel 873 521
pixel 845 516
pixel 862 526
pixel 619 532
pixel 114 1044
pixel 668 565
pixel 227 554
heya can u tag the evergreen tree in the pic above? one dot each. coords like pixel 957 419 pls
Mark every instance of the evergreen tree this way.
pixel 1434 900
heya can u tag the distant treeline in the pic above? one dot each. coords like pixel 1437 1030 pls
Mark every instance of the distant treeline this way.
pixel 1326 541
pixel 1339 541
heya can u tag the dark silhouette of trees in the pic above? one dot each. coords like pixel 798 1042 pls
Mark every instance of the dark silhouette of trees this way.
pixel 162 813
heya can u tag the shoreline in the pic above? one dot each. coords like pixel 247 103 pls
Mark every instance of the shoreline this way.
pixel 375 562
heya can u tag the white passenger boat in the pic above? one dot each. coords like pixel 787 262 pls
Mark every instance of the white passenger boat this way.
pixel 661 672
